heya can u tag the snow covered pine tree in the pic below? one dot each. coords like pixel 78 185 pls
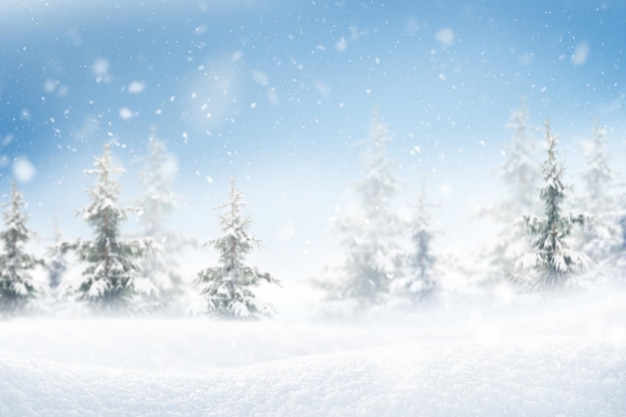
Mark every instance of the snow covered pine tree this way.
pixel 418 283
pixel 111 282
pixel 157 204
pixel 56 264
pixel 371 234
pixel 601 236
pixel 17 286
pixel 521 174
pixel 227 288
pixel 553 261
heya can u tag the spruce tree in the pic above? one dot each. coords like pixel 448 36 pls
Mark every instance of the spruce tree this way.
pixel 553 262
pixel 57 264
pixel 419 281
pixel 156 205
pixel 520 172
pixel 17 285
pixel 601 236
pixel 111 281
pixel 228 287
pixel 370 235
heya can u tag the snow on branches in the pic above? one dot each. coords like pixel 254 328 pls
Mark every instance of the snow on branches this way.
pixel 553 262
pixel 111 281
pixel 227 288
pixel 17 285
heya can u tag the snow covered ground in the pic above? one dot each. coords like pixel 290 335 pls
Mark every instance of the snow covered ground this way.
pixel 564 357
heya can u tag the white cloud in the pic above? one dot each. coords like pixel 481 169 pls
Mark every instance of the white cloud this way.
pixel 260 78
pixel 341 45
pixel 100 70
pixel 126 113
pixel 136 87
pixel 581 54
pixel 445 37
pixel 322 88
pixel 23 169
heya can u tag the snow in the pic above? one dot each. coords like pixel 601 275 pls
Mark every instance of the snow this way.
pixel 560 357
pixel 23 170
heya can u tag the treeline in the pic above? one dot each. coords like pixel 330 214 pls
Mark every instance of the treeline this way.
pixel 122 275
pixel 548 239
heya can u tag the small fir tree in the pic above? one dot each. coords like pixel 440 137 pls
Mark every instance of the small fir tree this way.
pixel 520 171
pixel 601 236
pixel 553 261
pixel 228 287
pixel 17 285
pixel 57 264
pixel 521 174
pixel 157 204
pixel 370 236
pixel 420 279
pixel 111 281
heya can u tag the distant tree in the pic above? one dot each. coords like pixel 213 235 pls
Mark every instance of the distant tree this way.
pixel 157 204
pixel 57 264
pixel 111 282
pixel 553 262
pixel 601 236
pixel 17 285
pixel 419 280
pixel 370 235
pixel 521 173
pixel 228 287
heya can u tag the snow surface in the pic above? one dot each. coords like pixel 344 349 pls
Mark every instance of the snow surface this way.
pixel 563 357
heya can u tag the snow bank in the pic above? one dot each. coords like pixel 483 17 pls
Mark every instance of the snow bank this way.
pixel 559 359
pixel 449 380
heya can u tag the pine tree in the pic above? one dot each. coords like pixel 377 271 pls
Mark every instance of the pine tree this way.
pixel 57 264
pixel 157 204
pixel 521 173
pixel 420 279
pixel 601 236
pixel 111 281
pixel 370 236
pixel 17 285
pixel 227 287
pixel 553 261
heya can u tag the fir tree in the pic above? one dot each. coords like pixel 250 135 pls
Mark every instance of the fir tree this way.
pixel 111 281
pixel 228 287
pixel 520 173
pixel 553 261
pixel 157 204
pixel 419 281
pixel 601 236
pixel 57 264
pixel 371 235
pixel 17 285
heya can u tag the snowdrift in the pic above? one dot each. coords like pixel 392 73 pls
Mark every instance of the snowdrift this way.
pixel 566 360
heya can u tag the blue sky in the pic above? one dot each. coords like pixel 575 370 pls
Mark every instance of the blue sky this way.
pixel 276 92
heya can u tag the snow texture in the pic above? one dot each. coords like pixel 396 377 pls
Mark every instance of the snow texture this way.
pixel 556 361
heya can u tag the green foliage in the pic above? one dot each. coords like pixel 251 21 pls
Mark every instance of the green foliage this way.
pixel 17 286
pixel 110 280
pixel 553 260
pixel 227 287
